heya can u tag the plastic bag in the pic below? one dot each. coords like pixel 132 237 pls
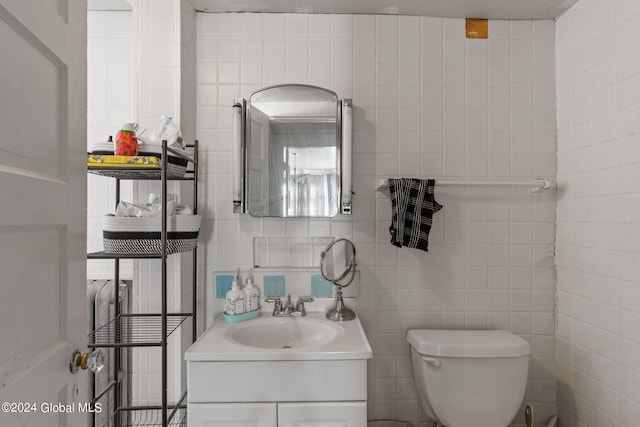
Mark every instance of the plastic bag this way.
pixel 147 210
pixel 165 129
pixel 172 198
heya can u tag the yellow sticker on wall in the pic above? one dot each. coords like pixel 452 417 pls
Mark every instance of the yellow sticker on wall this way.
pixel 477 28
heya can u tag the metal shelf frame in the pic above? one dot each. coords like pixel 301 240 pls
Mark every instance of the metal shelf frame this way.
pixel 148 329
pixel 135 330
pixel 148 416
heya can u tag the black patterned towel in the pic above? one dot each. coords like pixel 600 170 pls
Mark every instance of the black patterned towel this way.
pixel 412 208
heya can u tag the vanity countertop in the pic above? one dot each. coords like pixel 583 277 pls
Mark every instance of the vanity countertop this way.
pixel 312 337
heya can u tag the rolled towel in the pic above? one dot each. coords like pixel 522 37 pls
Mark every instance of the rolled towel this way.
pixel 412 207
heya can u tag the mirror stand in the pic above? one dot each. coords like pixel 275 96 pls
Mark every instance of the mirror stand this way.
pixel 339 311
pixel 338 266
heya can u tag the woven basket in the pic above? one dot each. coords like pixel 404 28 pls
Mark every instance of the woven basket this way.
pixel 125 235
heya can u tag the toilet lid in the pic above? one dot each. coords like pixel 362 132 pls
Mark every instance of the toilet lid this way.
pixel 435 342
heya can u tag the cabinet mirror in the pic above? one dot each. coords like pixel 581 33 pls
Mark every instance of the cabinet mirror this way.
pixel 293 152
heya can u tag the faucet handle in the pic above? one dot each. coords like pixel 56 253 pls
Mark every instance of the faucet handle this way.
pixel 277 302
pixel 305 298
pixel 300 304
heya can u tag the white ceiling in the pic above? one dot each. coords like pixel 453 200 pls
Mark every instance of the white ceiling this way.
pixel 490 9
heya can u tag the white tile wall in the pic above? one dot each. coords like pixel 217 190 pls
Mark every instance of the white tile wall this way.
pixel 428 102
pixel 109 95
pixel 109 71
pixel 157 55
pixel 598 77
pixel 157 43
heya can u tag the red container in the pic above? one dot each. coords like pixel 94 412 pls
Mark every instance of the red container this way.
pixel 126 144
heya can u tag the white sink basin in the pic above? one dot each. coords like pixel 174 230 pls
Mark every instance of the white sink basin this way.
pixel 281 338
pixel 285 333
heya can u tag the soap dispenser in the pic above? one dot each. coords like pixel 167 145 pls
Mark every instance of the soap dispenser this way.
pixel 235 300
pixel 252 295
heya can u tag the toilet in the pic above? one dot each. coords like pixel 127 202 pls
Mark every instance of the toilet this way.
pixel 469 378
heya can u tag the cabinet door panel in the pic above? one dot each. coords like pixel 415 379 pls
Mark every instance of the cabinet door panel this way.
pixel 232 414
pixel 329 414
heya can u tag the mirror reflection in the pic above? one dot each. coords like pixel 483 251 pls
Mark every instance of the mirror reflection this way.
pixel 293 152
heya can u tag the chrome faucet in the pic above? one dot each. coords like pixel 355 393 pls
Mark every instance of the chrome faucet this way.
pixel 289 310
pixel 288 306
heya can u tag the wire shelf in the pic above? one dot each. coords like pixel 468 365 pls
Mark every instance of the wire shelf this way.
pixel 135 330
pixel 150 175
pixel 141 173
pixel 147 417
pixel 140 167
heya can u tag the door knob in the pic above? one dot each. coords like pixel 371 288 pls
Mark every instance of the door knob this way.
pixel 93 361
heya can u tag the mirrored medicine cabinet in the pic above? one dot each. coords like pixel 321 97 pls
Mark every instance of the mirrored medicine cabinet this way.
pixel 292 153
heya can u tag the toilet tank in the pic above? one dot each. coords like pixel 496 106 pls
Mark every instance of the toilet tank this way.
pixel 469 378
pixel 458 343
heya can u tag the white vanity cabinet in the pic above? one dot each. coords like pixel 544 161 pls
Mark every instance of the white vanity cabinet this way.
pixel 307 414
pixel 277 393
pixel 322 414
pixel 310 383
pixel 232 414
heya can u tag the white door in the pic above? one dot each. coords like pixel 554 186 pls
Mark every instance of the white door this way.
pixel 42 211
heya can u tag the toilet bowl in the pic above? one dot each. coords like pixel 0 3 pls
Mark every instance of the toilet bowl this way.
pixel 469 378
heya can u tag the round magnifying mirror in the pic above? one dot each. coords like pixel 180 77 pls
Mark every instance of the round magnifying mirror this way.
pixel 338 262
pixel 338 266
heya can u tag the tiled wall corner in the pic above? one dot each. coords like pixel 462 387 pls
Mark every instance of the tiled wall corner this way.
pixel 597 253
